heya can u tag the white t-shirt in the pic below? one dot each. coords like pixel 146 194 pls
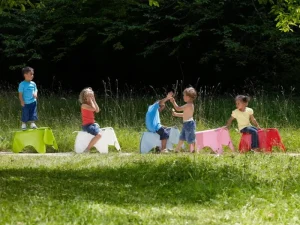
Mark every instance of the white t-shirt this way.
pixel 243 118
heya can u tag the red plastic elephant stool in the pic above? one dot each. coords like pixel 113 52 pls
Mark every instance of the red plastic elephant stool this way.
pixel 267 138
pixel 245 143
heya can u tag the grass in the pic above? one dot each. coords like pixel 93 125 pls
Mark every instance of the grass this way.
pixel 149 189
pixel 125 112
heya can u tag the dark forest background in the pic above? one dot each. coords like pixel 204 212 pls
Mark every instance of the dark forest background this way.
pixel 73 44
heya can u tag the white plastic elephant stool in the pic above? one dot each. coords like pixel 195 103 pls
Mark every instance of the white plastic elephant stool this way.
pixel 108 138
pixel 150 140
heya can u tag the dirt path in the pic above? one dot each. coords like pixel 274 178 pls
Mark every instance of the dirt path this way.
pixel 53 154
pixel 122 154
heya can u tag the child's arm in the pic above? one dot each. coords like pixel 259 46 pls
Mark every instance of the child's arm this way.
pixel 164 100
pixel 20 90
pixel 176 114
pixel 35 92
pixel 95 103
pixel 254 121
pixel 229 122
pixel 177 108
pixel 21 98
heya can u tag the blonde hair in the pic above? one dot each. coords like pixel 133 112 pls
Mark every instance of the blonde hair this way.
pixel 83 94
pixel 191 92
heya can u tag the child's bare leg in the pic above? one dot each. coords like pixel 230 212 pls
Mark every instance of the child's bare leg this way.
pixel 164 144
pixel 178 147
pixel 193 147
pixel 93 141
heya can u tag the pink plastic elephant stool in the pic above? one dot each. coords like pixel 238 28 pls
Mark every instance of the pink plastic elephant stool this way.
pixel 215 139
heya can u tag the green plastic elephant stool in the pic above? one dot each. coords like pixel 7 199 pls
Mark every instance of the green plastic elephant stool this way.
pixel 37 138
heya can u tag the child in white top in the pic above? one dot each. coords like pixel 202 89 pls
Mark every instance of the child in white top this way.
pixel 243 115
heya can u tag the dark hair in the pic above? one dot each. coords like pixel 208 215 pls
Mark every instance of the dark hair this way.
pixel 242 98
pixel 27 70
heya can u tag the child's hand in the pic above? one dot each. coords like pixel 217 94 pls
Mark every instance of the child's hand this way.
pixel 172 100
pixel 89 98
pixel 22 104
pixel 35 95
pixel 170 95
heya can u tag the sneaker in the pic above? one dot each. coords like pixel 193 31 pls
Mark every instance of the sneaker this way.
pixel 33 126
pixel 164 151
pixel 23 126
pixel 256 150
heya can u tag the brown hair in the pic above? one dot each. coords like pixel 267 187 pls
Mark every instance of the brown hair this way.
pixel 26 70
pixel 191 92
pixel 83 94
pixel 242 98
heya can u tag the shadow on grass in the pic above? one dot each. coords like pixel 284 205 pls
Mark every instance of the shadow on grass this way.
pixel 172 181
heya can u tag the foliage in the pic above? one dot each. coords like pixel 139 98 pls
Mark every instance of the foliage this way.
pixel 20 4
pixel 219 37
pixel 287 13
pixel 153 3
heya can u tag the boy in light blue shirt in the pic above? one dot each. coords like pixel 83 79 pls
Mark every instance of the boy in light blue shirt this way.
pixel 28 95
pixel 153 121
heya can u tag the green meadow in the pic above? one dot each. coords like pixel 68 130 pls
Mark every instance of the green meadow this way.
pixel 114 188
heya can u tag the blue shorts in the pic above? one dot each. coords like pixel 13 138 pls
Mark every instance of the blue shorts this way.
pixel 164 133
pixel 92 129
pixel 29 112
pixel 188 132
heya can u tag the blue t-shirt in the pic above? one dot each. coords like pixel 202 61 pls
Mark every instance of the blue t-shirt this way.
pixel 152 118
pixel 28 88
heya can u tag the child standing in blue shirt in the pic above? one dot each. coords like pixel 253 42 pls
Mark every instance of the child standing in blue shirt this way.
pixel 28 95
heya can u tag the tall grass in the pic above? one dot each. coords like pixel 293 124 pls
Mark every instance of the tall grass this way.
pixel 125 111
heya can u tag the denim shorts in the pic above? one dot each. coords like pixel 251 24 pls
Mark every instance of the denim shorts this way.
pixel 92 129
pixel 29 112
pixel 188 132
pixel 163 132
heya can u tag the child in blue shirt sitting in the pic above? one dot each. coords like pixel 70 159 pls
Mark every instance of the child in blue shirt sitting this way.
pixel 153 121
pixel 28 95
